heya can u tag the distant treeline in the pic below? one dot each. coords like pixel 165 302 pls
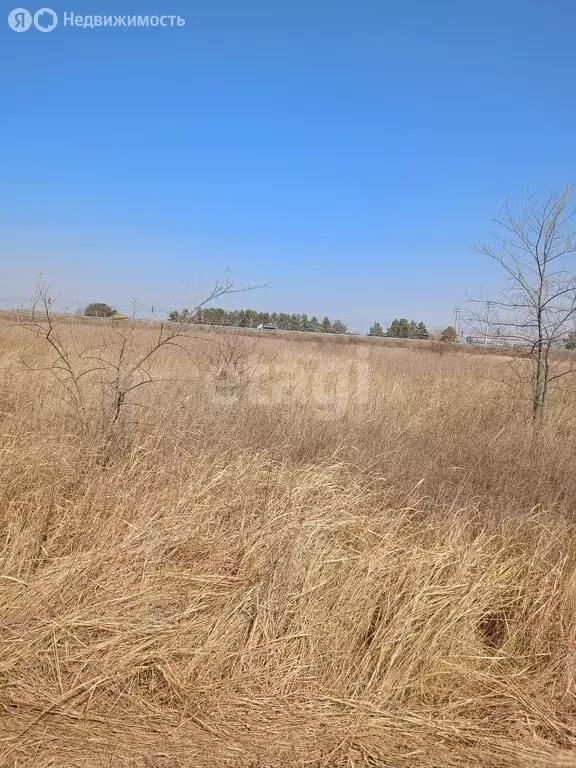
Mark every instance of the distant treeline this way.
pixel 252 318
pixel 401 329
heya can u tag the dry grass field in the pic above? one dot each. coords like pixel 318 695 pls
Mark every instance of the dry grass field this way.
pixel 284 551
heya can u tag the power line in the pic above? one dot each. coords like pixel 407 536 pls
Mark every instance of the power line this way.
pixel 456 314
pixel 488 305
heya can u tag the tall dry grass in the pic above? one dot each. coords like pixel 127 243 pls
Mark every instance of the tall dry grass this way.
pixel 329 554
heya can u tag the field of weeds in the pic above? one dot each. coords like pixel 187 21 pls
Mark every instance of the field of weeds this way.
pixel 278 551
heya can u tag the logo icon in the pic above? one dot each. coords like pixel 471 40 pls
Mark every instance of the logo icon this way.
pixel 20 20
pixel 45 20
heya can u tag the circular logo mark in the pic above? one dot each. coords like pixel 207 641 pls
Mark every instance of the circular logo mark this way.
pixel 45 20
pixel 20 20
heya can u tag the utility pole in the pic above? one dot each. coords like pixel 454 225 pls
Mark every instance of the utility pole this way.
pixel 456 313
pixel 488 304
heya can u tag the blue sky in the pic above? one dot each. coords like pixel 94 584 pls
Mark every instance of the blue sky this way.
pixel 346 153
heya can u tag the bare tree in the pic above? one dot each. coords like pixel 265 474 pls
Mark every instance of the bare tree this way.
pixel 123 360
pixel 537 308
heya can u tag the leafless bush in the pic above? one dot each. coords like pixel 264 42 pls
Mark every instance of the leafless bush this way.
pixel 234 360
pixel 120 361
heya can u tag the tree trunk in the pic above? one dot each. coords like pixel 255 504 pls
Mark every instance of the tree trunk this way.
pixel 539 388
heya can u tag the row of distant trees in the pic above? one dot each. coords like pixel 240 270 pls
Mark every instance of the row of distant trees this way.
pixel 252 318
pixel 400 329
pixel 249 318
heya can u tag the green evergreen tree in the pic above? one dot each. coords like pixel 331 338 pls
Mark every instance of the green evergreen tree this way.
pixel 422 331
pixel 448 334
pixel 376 329
pixel 400 329
pixel 407 329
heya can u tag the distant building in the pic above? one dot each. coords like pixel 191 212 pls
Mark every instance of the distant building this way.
pixel 479 339
pixel 483 340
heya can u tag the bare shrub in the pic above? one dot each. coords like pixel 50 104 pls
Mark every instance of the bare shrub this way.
pixel 121 361
pixel 234 360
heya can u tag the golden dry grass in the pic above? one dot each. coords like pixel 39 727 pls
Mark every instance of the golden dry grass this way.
pixel 316 553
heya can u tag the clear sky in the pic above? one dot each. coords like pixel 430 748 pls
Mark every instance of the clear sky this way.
pixel 347 153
